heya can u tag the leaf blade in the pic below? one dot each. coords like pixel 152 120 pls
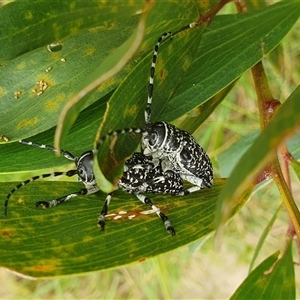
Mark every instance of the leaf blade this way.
pixel 67 241
pixel 219 61
pixel 58 19
pixel 108 68
pixel 282 125
pixel 273 279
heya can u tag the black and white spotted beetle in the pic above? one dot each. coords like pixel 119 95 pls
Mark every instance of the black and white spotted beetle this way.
pixel 171 150
pixel 176 148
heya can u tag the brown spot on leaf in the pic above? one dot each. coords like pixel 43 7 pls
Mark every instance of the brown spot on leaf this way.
pixel 142 259
pixel 8 232
pixel 44 267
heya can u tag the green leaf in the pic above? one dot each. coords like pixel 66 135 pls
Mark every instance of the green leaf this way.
pixel 263 237
pixel 38 161
pixel 32 24
pixel 274 278
pixel 81 51
pixel 218 63
pixel 108 68
pixel 65 239
pixel 231 45
pixel 196 117
pixel 282 125
pixel 230 157
pixel 296 167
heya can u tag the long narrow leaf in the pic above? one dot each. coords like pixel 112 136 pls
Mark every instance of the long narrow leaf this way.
pixel 273 279
pixel 65 239
pixel 263 237
pixel 27 25
pixel 109 67
pixel 232 45
pixel 282 125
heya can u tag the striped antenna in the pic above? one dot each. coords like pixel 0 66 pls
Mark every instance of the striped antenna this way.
pixel 66 154
pixel 68 173
pixel 152 71
pixel 114 133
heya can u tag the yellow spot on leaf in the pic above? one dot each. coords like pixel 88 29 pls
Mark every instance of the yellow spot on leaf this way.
pixel 60 98
pixel 94 29
pixel 87 239
pixel 18 94
pixel 89 51
pixel 29 122
pixel 114 9
pixel 44 266
pixel 51 105
pixel 72 5
pixel 131 111
pixel 45 78
pixel 55 55
pixel 1 91
pixel 4 138
pixel 186 64
pixel 28 15
pixel 21 65
pixel 20 201
pixel 74 30
pixel 106 84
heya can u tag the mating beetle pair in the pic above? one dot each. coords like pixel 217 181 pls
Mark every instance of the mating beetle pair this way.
pixel 169 156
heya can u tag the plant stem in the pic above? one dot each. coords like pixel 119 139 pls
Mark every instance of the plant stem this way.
pixel 287 199
pixel 267 106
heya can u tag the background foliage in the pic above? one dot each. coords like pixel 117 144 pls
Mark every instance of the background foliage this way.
pixel 228 48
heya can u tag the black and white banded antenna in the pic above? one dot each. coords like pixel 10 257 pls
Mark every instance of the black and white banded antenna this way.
pixel 162 38
pixel 167 35
pixel 69 173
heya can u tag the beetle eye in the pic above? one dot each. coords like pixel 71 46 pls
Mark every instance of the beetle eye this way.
pixel 81 174
pixel 153 139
